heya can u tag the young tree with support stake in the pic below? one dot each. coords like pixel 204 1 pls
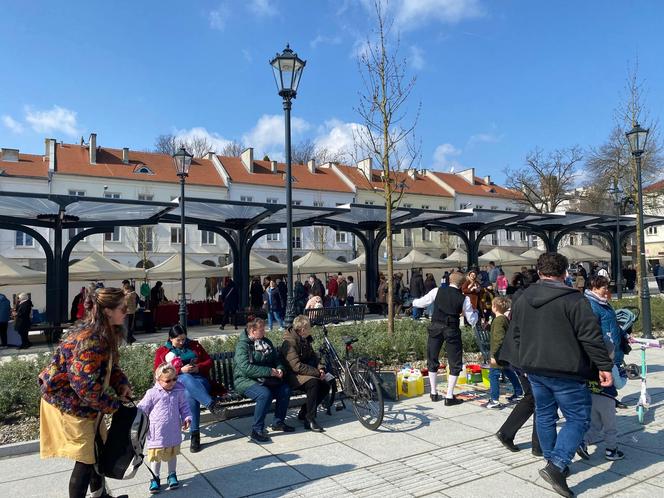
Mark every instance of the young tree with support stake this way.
pixel 385 133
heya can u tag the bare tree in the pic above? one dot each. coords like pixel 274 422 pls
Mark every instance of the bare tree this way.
pixel 546 179
pixel 307 149
pixel 612 165
pixel 232 149
pixel 144 242
pixel 387 132
pixel 169 144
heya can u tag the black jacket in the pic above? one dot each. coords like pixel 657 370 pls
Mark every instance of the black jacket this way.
pixel 416 286
pixel 553 332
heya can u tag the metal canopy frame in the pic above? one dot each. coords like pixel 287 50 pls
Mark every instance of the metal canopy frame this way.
pixel 241 224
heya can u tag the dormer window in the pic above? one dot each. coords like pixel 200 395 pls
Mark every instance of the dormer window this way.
pixel 143 170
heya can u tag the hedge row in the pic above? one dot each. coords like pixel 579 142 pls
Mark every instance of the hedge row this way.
pixel 19 391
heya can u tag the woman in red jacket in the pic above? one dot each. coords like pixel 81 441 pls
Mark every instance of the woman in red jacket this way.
pixel 193 365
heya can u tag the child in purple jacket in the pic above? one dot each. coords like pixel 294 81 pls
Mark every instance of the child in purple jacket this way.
pixel 166 405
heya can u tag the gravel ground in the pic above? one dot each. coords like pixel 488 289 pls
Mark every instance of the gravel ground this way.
pixel 25 430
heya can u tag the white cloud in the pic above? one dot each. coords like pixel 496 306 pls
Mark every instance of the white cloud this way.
pixel 410 14
pixel 216 141
pixel 267 137
pixel 328 40
pixel 338 137
pixel 247 55
pixel 416 57
pixel 54 120
pixel 217 17
pixel 442 157
pixel 486 138
pixel 12 124
pixel 265 8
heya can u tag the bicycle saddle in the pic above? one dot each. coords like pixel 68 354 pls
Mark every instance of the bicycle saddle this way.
pixel 348 340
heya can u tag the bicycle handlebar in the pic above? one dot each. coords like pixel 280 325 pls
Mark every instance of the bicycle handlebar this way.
pixel 648 343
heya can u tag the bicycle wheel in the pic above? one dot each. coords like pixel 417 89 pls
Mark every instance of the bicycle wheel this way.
pixel 640 412
pixel 367 397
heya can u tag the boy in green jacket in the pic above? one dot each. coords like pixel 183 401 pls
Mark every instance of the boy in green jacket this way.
pixel 500 305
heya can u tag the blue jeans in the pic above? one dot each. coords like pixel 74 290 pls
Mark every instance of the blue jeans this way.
pixel 573 399
pixel 350 301
pixel 198 393
pixel 272 316
pixel 494 382
pixel 417 313
pixel 263 397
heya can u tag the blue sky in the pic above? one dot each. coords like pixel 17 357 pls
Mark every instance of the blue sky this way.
pixel 495 78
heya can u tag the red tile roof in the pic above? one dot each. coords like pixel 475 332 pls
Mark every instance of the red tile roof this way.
pixel 420 185
pixel 75 160
pixel 323 179
pixel 655 187
pixel 28 165
pixel 479 187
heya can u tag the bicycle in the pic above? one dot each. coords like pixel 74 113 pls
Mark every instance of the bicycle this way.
pixel 358 382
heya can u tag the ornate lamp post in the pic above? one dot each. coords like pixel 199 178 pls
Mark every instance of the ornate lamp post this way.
pixel 182 160
pixel 637 138
pixel 287 68
pixel 616 191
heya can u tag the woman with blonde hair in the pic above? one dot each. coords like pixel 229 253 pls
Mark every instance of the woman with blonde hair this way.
pixel 81 383
pixel 303 370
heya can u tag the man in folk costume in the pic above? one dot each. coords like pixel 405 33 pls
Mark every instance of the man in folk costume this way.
pixel 448 304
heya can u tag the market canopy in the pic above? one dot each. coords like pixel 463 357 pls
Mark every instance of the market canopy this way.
pixel 171 268
pixel 315 262
pixel 416 259
pixel 502 256
pixel 11 273
pixel 361 262
pixel 258 265
pixel 98 267
pixel 457 258
pixel 532 254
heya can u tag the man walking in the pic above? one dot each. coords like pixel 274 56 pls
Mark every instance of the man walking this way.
pixel 448 304
pixel 555 338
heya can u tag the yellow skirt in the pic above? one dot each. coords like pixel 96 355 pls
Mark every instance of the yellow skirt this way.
pixel 66 436
pixel 163 454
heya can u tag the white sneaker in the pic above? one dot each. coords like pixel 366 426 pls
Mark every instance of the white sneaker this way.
pixel 494 404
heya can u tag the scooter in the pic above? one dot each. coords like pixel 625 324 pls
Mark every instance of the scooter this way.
pixel 633 373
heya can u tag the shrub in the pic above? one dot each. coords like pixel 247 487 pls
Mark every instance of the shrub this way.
pixel 19 388
pixel 656 311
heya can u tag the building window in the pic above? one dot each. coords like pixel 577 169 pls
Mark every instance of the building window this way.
pixel 77 193
pixel 479 206
pixel 176 235
pixel 113 236
pixel 442 208
pixel 272 200
pixel 494 239
pixel 246 198
pixel 111 195
pixel 145 239
pixel 572 240
pixel 407 205
pixel 424 206
pixel 297 238
pixel 297 203
pixel 509 235
pixel 408 238
pixel 426 235
pixel 341 237
pixel 508 209
pixel 494 208
pixel 523 236
pixel 24 240
pixel 369 203
pixel 207 238
pixel 651 230
pixel 146 197
pixel 74 232
pixel 274 237
pixel 319 204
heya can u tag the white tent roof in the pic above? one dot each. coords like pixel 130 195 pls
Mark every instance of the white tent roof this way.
pixel 596 252
pixel 416 259
pixel 314 262
pixel 457 258
pixel 170 269
pixel 502 257
pixel 258 265
pixel 532 254
pixel 576 253
pixel 12 273
pixel 98 267
pixel 361 261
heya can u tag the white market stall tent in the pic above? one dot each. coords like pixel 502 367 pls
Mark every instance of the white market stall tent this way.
pixel 532 254
pixel 361 262
pixel 502 256
pixel 258 265
pixel 457 258
pixel 315 262
pixel 417 259
pixel 12 273
pixel 171 268
pixel 98 267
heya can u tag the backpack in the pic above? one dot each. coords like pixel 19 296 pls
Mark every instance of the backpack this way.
pixel 122 453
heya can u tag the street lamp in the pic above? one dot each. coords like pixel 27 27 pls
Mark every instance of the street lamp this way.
pixel 182 160
pixel 637 138
pixel 287 68
pixel 616 191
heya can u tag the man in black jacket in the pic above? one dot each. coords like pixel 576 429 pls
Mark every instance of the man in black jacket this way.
pixel 555 338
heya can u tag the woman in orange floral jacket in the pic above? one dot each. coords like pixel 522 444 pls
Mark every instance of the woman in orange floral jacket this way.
pixel 82 382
